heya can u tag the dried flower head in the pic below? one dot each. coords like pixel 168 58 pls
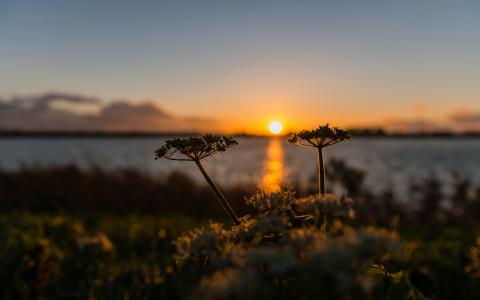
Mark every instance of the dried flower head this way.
pixel 321 137
pixel 194 148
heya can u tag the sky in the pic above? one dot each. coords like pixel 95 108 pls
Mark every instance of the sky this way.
pixel 236 65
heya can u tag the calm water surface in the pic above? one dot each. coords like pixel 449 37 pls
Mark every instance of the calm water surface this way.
pixel 261 161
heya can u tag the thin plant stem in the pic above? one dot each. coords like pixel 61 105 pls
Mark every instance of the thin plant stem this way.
pixel 220 197
pixel 321 173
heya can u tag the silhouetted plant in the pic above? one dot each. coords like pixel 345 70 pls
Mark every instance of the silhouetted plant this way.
pixel 320 138
pixel 195 149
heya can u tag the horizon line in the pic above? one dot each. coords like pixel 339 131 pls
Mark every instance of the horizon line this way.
pixel 366 132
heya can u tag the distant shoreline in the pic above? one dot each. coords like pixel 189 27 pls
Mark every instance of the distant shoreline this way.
pixel 102 134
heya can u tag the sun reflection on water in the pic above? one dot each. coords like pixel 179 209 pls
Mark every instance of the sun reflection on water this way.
pixel 273 167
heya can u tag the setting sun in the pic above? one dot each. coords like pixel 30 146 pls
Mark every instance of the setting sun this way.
pixel 275 127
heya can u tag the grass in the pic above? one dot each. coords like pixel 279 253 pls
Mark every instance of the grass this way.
pixel 119 256
pixel 99 255
pixel 69 188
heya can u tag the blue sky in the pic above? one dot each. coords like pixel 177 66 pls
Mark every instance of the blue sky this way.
pixel 304 62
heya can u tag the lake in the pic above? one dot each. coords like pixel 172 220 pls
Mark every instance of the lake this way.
pixel 266 162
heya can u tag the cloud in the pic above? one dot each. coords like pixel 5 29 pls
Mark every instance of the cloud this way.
pixel 456 121
pixel 43 101
pixel 465 120
pixel 68 112
pixel 466 117
pixel 413 125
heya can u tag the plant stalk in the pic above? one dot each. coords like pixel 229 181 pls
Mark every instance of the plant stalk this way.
pixel 321 173
pixel 228 209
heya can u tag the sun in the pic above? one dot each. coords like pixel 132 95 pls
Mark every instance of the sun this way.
pixel 275 127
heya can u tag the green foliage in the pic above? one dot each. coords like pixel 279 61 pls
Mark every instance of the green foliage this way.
pixel 321 137
pixel 401 288
pixel 289 247
pixel 473 267
pixel 86 257
pixel 195 148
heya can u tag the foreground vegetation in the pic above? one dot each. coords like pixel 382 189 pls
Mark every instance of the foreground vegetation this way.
pixel 66 256
pixel 78 246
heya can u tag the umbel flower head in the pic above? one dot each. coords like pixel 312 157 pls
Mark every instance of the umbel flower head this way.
pixel 194 148
pixel 321 137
